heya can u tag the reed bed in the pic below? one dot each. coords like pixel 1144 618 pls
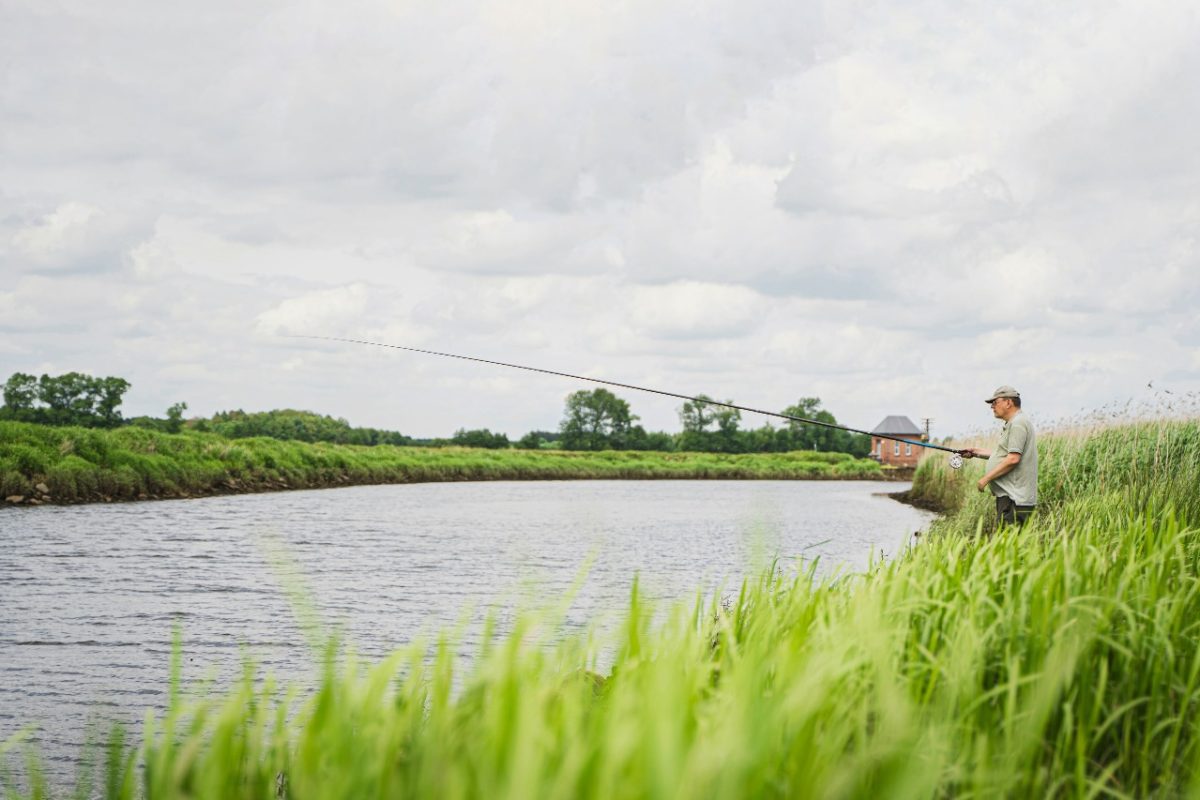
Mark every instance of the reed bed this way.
pixel 1059 661
pixel 76 465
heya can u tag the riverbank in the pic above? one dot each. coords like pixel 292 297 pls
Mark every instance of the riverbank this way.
pixel 41 464
pixel 1063 660
pixel 1082 472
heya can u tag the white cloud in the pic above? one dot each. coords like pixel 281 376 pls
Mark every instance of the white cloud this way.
pixel 329 311
pixel 63 231
pixel 825 347
pixel 692 310
pixel 873 203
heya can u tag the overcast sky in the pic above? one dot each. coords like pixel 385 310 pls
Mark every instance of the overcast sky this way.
pixel 895 207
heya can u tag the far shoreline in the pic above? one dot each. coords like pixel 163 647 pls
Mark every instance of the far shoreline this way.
pixel 39 499
pixel 44 465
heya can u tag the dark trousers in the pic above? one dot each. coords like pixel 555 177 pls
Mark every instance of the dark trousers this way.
pixel 1010 513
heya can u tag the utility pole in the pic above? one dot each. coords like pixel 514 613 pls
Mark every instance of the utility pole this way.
pixel 926 420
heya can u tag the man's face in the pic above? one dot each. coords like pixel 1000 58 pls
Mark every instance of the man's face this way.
pixel 1000 406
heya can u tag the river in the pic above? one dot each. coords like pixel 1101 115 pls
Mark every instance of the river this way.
pixel 90 595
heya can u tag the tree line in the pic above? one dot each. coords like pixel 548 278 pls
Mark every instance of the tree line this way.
pixel 289 424
pixel 70 399
pixel 599 420
pixel 593 419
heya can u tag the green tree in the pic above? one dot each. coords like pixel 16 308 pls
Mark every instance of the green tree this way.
pixel 698 415
pixel 535 440
pixel 856 444
pixel 69 399
pixel 596 420
pixel 761 440
pixel 639 439
pixel 305 426
pixel 175 417
pixel 66 398
pixel 480 438
pixel 20 392
pixel 804 436
pixel 727 439
pixel 107 395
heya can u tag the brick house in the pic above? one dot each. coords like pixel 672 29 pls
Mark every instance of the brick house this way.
pixel 892 453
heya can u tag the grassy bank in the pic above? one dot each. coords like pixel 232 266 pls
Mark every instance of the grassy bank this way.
pixel 1082 471
pixel 1063 661
pixel 74 465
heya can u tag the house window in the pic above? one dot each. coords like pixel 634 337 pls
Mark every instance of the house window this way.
pixel 895 448
pixel 879 447
pixel 907 449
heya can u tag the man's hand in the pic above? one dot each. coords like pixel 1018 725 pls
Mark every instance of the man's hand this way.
pixel 973 452
pixel 1006 466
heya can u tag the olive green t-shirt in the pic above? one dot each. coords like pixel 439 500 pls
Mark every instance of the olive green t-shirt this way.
pixel 1021 483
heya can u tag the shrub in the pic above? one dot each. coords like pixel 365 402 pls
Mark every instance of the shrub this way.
pixel 26 459
pixel 14 483
pixel 72 479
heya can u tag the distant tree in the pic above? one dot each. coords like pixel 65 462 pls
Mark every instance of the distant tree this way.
pixel 640 439
pixel 69 399
pixel 480 438
pixel 539 440
pixel 175 417
pixel 304 426
pixel 759 440
pixel 596 420
pixel 108 393
pixel 857 445
pixel 698 415
pixel 805 436
pixel 727 434
pixel 65 397
pixel 20 394
pixel 530 441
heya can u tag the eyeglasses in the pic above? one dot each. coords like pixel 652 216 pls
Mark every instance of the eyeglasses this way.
pixel 997 400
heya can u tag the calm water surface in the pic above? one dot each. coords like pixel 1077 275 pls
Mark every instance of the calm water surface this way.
pixel 89 595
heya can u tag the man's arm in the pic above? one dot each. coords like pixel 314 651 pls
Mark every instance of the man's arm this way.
pixel 1003 468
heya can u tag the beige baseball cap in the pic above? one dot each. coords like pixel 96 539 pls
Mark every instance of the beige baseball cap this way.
pixel 1003 391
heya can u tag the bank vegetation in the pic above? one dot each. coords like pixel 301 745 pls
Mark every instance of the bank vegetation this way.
pixel 57 464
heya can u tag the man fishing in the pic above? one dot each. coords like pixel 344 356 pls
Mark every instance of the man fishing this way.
pixel 1012 466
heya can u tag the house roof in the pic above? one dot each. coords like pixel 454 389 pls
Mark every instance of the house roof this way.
pixel 898 426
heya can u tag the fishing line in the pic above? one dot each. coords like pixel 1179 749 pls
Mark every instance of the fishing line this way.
pixel 955 459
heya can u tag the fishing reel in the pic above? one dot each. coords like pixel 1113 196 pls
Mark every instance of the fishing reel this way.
pixel 960 457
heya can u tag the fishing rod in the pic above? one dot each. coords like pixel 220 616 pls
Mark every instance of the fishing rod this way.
pixel 956 459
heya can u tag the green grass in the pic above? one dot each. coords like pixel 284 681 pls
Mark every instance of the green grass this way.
pixel 1083 473
pixel 1060 661
pixel 85 465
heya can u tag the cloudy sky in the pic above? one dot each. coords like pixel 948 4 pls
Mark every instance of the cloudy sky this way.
pixel 892 206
